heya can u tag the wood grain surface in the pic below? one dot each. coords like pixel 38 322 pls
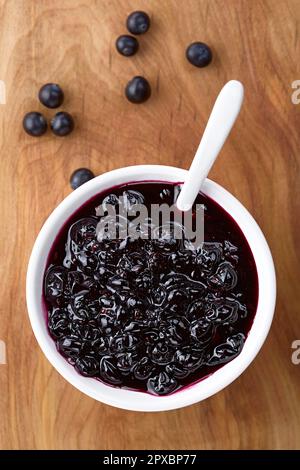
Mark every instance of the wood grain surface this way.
pixel 72 42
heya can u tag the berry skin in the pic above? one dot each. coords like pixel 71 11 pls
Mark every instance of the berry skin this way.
pixel 80 176
pixel 138 90
pixel 62 124
pixel 127 45
pixel 199 54
pixel 34 124
pixel 138 22
pixel 51 95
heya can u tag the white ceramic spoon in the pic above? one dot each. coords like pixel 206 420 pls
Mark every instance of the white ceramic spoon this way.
pixel 221 120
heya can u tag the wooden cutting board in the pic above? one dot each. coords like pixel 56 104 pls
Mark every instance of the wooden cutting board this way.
pixel 72 42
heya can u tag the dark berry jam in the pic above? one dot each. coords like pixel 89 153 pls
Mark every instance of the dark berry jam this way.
pixel 149 315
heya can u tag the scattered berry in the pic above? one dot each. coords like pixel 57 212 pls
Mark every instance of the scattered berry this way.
pixel 199 54
pixel 62 124
pixel 34 124
pixel 80 176
pixel 138 90
pixel 127 45
pixel 138 22
pixel 51 95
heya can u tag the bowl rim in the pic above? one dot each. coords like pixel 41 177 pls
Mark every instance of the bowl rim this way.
pixel 135 400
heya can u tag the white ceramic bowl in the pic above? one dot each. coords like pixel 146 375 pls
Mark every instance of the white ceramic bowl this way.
pixel 139 401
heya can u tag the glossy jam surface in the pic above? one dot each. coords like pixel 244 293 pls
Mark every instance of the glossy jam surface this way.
pixel 149 315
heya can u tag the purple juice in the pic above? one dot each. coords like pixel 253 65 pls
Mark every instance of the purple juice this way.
pixel 149 315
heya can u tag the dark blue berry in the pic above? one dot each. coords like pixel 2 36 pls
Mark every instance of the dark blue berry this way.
pixel 225 352
pixel 127 45
pixel 161 353
pixel 162 384
pixel 87 366
pixel 80 176
pixel 126 361
pixel 62 124
pixel 109 371
pixel 138 90
pixel 70 347
pixel 51 95
pixel 34 124
pixel 199 54
pixel 56 281
pixel 59 323
pixel 225 277
pixel 143 369
pixel 138 22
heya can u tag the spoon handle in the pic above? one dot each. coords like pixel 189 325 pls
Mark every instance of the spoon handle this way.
pixel 221 120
